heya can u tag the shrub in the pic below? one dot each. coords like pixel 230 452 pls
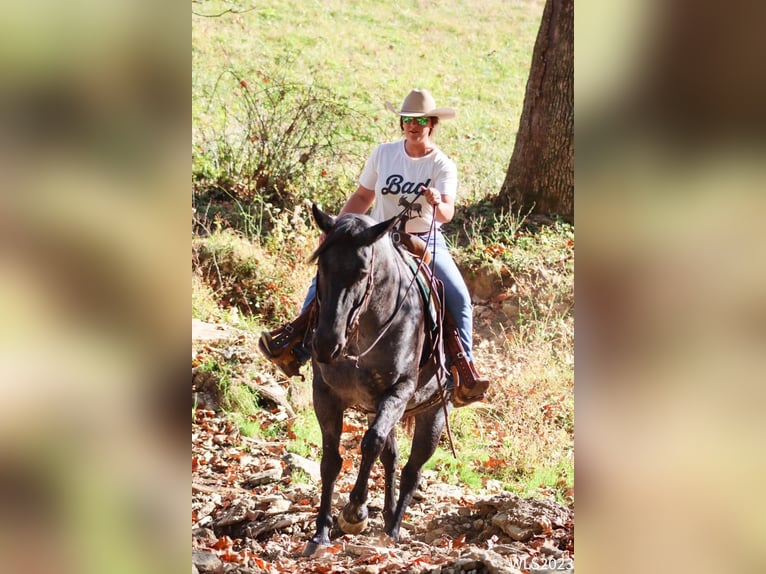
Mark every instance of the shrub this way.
pixel 263 139
pixel 243 275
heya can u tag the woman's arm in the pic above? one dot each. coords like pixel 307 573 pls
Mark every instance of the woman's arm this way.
pixel 360 201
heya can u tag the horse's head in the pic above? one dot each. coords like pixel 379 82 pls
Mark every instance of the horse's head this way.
pixel 345 271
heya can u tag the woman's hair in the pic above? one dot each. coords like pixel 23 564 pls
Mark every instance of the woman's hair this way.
pixel 434 123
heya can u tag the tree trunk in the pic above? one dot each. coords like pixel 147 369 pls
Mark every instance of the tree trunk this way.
pixel 540 177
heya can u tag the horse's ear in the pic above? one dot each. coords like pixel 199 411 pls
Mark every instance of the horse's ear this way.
pixel 325 222
pixel 372 234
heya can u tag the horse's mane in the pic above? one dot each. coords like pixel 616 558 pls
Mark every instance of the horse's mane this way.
pixel 346 227
pixel 327 244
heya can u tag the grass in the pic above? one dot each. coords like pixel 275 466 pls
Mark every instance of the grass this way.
pixel 307 441
pixel 237 399
pixel 250 244
pixel 470 448
pixel 473 56
pixel 461 470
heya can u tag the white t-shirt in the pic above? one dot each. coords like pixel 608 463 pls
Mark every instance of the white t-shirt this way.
pixel 392 173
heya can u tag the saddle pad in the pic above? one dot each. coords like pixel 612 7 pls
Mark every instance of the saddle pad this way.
pixel 431 294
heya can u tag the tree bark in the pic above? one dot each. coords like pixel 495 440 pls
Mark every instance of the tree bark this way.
pixel 540 176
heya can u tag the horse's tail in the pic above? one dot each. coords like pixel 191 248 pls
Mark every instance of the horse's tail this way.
pixel 408 425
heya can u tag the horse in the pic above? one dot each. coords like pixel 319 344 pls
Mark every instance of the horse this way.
pixel 366 353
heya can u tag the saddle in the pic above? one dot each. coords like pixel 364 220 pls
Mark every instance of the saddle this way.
pixel 442 335
pixel 431 290
pixel 414 245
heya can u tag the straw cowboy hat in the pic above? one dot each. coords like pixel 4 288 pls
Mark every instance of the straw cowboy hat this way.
pixel 421 103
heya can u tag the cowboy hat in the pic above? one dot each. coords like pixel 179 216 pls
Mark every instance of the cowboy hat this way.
pixel 421 103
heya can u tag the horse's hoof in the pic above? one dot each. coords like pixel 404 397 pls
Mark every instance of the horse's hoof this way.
pixel 353 524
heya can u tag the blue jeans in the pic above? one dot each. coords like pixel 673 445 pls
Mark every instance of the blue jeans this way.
pixel 457 297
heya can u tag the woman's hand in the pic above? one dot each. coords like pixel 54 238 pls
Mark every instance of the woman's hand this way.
pixel 444 206
pixel 432 195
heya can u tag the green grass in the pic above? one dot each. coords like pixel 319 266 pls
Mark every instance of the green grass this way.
pixel 552 478
pixel 247 427
pixel 462 470
pixel 238 399
pixel 308 436
pixel 473 56
pixel 470 447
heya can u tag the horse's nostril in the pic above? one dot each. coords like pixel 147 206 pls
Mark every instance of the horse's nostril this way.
pixel 336 352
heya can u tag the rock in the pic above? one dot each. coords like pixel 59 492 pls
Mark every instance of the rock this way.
pixel 408 526
pixel 442 491
pixel 522 518
pixel 484 284
pixel 235 514
pixel 203 537
pixel 433 534
pixel 278 506
pixel 493 562
pixel 467 564
pixel 450 530
pixel 271 474
pixel 205 391
pixel 206 562
pixel 273 393
pixel 203 332
pixel 295 462
pixel 506 523
pixel 550 550
pixel 279 522
pixel 209 506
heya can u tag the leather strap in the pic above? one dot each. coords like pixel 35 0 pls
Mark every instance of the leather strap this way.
pixel 294 331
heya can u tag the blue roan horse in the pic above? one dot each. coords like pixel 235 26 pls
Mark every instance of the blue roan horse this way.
pixel 366 352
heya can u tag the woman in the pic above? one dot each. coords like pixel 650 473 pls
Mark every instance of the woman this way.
pixel 396 169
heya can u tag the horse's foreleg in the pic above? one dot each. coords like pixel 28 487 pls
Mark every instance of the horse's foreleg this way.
pixel 353 519
pixel 330 417
pixel 428 430
pixel 389 457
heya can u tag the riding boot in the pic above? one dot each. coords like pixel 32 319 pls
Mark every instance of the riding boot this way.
pixel 285 346
pixel 469 385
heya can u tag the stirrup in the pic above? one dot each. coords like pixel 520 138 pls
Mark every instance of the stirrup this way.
pixel 284 346
pixel 466 393
pixel 289 360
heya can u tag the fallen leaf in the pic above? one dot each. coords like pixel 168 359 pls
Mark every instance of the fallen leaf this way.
pixel 223 542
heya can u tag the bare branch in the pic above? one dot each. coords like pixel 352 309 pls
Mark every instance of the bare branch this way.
pixel 227 11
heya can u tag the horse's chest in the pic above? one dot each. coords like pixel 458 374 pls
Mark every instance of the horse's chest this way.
pixel 357 386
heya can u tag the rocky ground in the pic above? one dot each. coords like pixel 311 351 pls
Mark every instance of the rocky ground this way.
pixel 254 505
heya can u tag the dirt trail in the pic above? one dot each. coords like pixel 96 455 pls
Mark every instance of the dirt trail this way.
pixel 254 504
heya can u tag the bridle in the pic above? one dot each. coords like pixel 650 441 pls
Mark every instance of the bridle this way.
pixel 352 328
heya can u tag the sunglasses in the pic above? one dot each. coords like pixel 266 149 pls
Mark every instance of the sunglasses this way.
pixel 423 120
